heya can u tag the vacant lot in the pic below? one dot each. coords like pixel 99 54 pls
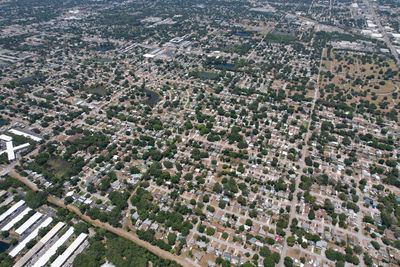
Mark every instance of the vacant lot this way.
pixel 58 166
pixel 96 89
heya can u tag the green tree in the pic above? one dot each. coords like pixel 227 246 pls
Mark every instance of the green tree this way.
pixel 291 240
pixel 288 262
pixel 311 214
pixel 210 231
pixel 35 199
pixel 171 239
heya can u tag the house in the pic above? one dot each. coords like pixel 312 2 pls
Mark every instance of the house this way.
pixel 154 226
pixel 370 202
pixel 107 264
pixel 201 244
pixel 321 244
pixel 135 216
pixel 197 256
pixel 116 185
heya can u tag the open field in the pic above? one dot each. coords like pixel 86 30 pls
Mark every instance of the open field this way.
pixel 361 77
pixel 58 166
pixel 96 89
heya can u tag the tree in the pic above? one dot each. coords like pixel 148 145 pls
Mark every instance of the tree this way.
pixel 35 199
pixel 288 262
pixel 210 231
pixel 249 222
pixel 119 199
pixel 334 255
pixel 368 260
pixel 171 239
pixel 5 234
pixel 217 188
pixel 265 252
pixel 119 251
pixel 268 262
pixel 291 240
pixel 201 228
pixel 253 213
pixel 375 245
pixel 134 170
pixel 311 214
pixel 6 260
pixel 222 204
pixel 81 227
pixel 358 249
pixel 168 164
pixel 276 257
pixel 68 200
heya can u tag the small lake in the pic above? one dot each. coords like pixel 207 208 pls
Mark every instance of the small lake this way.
pixel 3 246
pixel 105 47
pixel 152 97
pixel 226 66
pixel 242 34
pixel 2 122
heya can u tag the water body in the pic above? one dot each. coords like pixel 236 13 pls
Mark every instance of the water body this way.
pixel 3 246
pixel 152 98
pixel 105 47
pixel 2 122
pixel 226 66
pixel 242 34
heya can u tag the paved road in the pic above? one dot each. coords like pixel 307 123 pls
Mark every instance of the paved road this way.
pixel 371 9
pixel 302 164
pixel 228 244
pixel 7 169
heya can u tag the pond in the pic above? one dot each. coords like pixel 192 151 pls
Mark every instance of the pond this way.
pixel 3 246
pixel 152 97
pixel 105 47
pixel 226 66
pixel 242 34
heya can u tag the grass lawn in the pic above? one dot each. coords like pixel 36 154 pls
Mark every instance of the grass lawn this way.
pixel 58 166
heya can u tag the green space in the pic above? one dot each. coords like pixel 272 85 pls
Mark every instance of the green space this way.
pixel 97 89
pixel 58 166
pixel 205 75
pixel 106 246
pixel 280 38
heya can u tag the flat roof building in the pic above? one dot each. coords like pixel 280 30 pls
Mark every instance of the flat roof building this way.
pixel 69 251
pixel 21 245
pixel 53 249
pixel 11 210
pixel 16 219
pixel 39 245
pixel 28 223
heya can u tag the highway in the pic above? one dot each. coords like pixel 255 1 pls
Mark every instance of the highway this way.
pixel 371 9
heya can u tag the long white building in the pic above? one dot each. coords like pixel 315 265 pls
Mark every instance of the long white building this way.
pixel 42 261
pixel 69 251
pixel 16 219
pixel 11 210
pixel 21 245
pixel 39 245
pixel 28 223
